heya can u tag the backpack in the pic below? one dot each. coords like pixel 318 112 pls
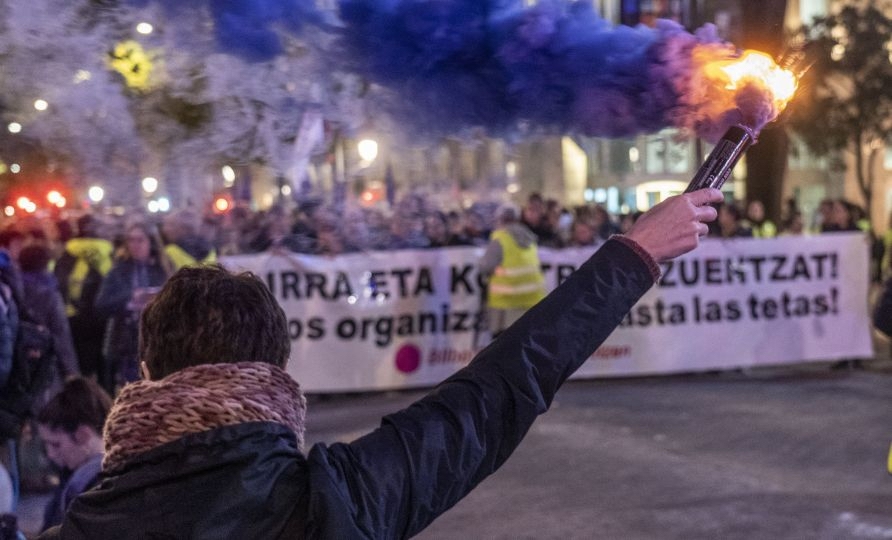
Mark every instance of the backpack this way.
pixel 32 371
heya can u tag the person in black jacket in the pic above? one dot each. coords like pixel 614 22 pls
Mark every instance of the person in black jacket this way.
pixel 136 276
pixel 209 444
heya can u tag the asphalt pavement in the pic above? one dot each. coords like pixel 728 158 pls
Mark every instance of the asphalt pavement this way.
pixel 776 453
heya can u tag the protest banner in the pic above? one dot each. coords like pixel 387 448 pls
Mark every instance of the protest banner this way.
pixel 410 318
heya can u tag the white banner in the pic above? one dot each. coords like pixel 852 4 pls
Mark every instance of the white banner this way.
pixel 399 319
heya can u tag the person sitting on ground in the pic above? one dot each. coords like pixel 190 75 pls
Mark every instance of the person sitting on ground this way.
pixel 208 445
pixel 70 426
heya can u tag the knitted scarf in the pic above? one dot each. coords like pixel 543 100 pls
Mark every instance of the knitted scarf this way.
pixel 148 414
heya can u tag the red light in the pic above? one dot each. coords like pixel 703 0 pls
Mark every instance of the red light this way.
pixel 221 204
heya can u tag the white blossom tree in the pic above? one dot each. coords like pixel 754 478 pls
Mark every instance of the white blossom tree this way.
pixel 49 52
pixel 121 101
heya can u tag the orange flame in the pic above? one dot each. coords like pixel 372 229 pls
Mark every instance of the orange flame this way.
pixel 754 67
pixel 728 87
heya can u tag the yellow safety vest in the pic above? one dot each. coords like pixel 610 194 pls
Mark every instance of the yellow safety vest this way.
pixel 180 258
pixel 517 282
pixel 766 230
pixel 95 253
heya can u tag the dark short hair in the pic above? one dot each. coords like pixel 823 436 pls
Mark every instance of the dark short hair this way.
pixel 81 402
pixel 86 225
pixel 35 258
pixel 207 315
pixel 8 236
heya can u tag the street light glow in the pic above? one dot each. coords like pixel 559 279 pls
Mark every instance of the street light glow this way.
pixel 15 168
pixel 153 206
pixel 41 104
pixel 81 75
pixel 53 197
pixel 144 28
pixel 368 149
pixel 14 127
pixel 149 184
pixel 163 204
pixel 96 193
pixel 228 175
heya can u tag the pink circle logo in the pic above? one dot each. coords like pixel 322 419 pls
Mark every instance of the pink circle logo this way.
pixel 408 358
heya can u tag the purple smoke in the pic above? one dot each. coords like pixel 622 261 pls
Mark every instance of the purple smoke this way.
pixel 554 67
pixel 447 66
pixel 248 28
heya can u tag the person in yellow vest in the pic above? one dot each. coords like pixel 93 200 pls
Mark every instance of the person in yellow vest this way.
pixel 79 272
pixel 511 263
pixel 761 226
pixel 184 245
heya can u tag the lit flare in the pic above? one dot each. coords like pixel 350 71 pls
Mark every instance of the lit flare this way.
pixel 730 88
pixel 754 67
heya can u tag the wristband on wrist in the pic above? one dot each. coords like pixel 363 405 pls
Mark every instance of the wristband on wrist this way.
pixel 652 265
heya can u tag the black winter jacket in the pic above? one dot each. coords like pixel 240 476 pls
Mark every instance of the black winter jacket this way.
pixel 250 480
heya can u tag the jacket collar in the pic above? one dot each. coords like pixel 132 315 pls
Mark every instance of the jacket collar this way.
pixel 148 414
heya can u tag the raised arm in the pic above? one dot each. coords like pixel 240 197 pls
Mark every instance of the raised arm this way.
pixel 395 481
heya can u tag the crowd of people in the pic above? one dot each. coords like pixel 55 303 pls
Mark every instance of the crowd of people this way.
pixel 88 277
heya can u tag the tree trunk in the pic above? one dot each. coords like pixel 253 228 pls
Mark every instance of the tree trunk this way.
pixel 766 162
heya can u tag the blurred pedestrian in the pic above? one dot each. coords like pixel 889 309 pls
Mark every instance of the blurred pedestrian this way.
pixel 79 271
pixel 534 217
pixel 794 225
pixel 11 244
pixel 133 280
pixel 730 222
pixel 758 222
pixel 185 246
pixel 583 234
pixel 604 226
pixel 45 307
pixel 840 217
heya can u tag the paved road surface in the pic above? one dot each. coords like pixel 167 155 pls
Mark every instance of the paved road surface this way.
pixel 777 453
